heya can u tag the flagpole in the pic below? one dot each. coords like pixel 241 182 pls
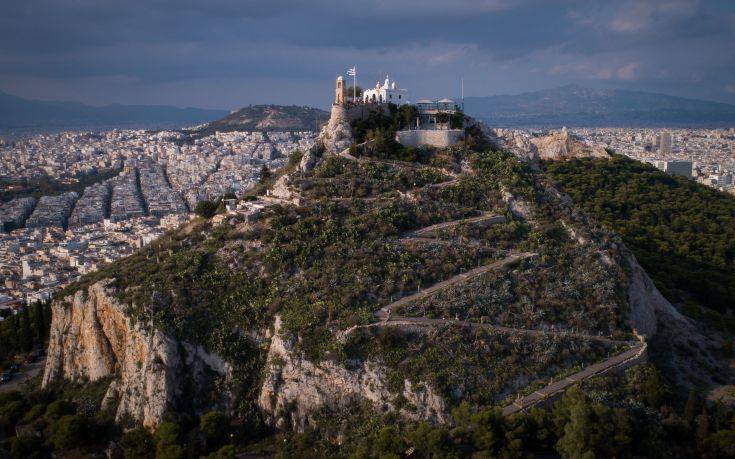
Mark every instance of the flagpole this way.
pixel 354 84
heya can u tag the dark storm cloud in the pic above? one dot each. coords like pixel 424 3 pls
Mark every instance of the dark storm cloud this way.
pixel 130 51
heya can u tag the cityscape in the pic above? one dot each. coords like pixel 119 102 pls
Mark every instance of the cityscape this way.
pixel 159 177
pixel 51 241
pixel 375 230
pixel 706 155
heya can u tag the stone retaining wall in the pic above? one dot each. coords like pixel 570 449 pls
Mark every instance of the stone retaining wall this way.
pixel 431 138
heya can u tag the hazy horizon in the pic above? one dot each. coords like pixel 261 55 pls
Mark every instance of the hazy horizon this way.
pixel 326 105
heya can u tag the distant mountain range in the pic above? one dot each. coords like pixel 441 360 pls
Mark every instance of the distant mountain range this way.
pixel 269 118
pixel 565 106
pixel 19 114
pixel 578 106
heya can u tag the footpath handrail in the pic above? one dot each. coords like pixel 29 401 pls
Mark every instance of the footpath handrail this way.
pixel 632 356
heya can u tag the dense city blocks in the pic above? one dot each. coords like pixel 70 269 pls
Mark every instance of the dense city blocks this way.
pixel 151 181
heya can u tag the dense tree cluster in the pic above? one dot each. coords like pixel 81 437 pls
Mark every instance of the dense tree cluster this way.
pixel 619 416
pixel 327 264
pixel 682 232
pixel 70 421
pixel 24 331
pixel 628 415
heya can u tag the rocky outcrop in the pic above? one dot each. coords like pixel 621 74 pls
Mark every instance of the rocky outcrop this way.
pixel 283 190
pixel 294 388
pixel 562 145
pixel 92 337
pixel 556 145
pixel 519 207
pixel 309 160
pixel 644 298
pixel 336 135
pixel 516 141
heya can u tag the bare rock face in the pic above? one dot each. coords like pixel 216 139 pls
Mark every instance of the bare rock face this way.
pixel 336 135
pixel 562 145
pixel 644 298
pixel 92 337
pixel 295 387
pixel 309 160
pixel 282 190
pixel 519 207
pixel 516 141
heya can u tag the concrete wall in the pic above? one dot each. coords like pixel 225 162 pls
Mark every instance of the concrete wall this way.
pixel 361 112
pixel 431 138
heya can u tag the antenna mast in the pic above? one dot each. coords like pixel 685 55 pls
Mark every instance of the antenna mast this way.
pixel 461 83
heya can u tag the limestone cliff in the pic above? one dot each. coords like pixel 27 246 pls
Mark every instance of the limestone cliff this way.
pixel 562 145
pixel 555 145
pixel 516 141
pixel 336 135
pixel 294 388
pixel 92 337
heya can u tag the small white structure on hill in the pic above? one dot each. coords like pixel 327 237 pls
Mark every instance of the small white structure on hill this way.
pixel 387 93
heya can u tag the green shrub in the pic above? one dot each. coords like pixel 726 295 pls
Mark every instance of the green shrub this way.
pixel 69 431
pixel 137 444
pixel 27 448
pixel 206 209
pixel 57 409
pixel 11 412
pixel 167 441
pixel 34 413
pixel 216 428
pixel 226 452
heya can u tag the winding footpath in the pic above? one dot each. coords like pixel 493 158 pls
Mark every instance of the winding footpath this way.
pixel 385 317
pixel 635 354
pixel 486 218
pixel 385 312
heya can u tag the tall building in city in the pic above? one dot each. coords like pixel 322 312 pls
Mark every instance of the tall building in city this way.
pixel 683 168
pixel 665 143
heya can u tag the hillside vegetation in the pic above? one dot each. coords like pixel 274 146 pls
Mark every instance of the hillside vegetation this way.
pixel 369 238
pixel 268 118
pixel 682 233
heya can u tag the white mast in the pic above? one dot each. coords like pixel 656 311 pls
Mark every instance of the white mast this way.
pixel 461 83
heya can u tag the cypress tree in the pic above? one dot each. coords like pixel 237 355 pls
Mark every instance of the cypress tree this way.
pixel 47 318
pixel 26 335
pixel 39 322
pixel 17 340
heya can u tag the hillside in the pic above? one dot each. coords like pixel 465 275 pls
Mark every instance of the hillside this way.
pixel 18 114
pixel 578 106
pixel 682 232
pixel 373 306
pixel 269 118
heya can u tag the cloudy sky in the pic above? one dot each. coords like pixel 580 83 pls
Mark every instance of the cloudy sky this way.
pixel 230 53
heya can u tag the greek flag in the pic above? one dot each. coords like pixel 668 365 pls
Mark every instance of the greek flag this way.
pixel 352 71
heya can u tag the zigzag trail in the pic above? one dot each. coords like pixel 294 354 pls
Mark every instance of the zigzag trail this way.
pixel 632 356
pixel 637 353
